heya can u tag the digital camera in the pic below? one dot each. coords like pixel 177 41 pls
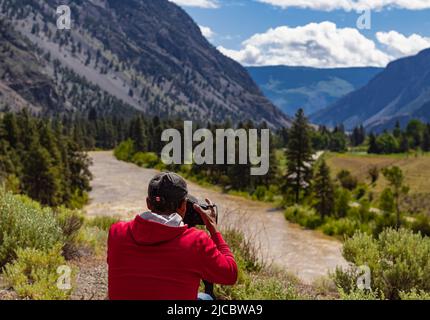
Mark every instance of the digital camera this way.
pixel 192 217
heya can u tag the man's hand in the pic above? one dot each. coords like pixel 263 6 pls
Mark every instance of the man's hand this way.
pixel 208 216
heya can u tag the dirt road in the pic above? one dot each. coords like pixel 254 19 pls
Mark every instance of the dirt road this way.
pixel 120 188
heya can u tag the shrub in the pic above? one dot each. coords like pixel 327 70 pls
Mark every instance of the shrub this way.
pixel 260 193
pixel 25 224
pixel 92 240
pixel 421 224
pixel 33 274
pixel 343 226
pixel 386 201
pixel 256 281
pixel 342 200
pixel 360 191
pixel 146 159
pixel 398 260
pixel 415 295
pixel 125 150
pixel 373 173
pixel 304 216
pixel 102 222
pixel 262 286
pixel 347 180
pixel 70 222
pixel 358 294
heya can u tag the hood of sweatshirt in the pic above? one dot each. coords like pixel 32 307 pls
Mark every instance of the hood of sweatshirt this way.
pixel 150 229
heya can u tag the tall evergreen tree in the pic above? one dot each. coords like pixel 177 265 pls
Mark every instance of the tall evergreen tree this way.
pixel 426 140
pixel 324 190
pixel 299 155
pixel 373 145
pixel 42 180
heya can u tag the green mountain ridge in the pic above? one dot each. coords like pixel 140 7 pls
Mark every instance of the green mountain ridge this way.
pixel 399 93
pixel 131 56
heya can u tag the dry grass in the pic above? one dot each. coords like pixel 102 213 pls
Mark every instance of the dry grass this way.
pixel 415 167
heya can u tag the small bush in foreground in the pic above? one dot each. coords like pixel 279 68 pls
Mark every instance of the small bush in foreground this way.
pixel 25 224
pixel 33 274
pixel 398 261
pixel 70 222
pixel 256 280
pixel 415 295
pixel 102 222
pixel 92 240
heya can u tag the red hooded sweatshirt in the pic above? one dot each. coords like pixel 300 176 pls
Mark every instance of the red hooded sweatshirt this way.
pixel 152 261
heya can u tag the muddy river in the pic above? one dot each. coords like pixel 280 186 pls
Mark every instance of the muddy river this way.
pixel 120 188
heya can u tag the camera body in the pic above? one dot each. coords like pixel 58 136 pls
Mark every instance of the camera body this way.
pixel 192 217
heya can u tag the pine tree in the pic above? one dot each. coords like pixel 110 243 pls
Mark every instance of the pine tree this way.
pixel 137 134
pixel 397 130
pixel 396 181
pixel 324 190
pixel 373 145
pixel 404 143
pixel 299 155
pixel 426 140
pixel 11 129
pixel 41 179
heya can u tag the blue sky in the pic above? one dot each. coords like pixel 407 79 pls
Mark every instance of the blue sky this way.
pixel 319 33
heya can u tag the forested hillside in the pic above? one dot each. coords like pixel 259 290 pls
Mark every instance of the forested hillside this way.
pixel 120 56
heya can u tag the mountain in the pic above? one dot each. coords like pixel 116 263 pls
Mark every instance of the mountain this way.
pixel 122 56
pixel 312 89
pixel 400 93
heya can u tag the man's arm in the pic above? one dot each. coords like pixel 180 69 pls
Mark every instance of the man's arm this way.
pixel 218 261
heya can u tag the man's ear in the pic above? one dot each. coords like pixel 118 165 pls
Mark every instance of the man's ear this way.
pixel 148 204
pixel 182 210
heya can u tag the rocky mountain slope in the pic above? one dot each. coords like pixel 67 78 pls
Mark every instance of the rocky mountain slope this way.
pixel 400 93
pixel 126 55
pixel 312 89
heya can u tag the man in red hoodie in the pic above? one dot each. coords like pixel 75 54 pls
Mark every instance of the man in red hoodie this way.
pixel 157 257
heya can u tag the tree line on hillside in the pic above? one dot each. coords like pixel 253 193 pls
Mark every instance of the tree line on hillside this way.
pixel 38 159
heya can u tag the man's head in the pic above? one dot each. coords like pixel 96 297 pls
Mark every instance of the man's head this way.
pixel 167 194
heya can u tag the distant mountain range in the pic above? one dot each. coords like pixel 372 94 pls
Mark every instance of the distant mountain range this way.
pixel 400 93
pixel 312 89
pixel 121 57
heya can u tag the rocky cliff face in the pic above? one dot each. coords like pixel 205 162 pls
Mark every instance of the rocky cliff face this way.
pixel 144 55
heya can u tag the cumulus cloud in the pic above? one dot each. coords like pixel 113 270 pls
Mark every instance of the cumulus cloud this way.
pixel 348 5
pixel 208 4
pixel 316 45
pixel 400 45
pixel 207 32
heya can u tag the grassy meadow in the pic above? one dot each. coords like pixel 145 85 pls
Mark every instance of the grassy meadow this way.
pixel 416 168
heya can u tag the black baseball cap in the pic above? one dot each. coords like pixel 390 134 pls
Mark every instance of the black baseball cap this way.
pixel 167 187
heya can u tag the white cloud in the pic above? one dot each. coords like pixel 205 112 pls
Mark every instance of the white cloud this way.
pixel 208 4
pixel 348 5
pixel 399 45
pixel 316 44
pixel 207 32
